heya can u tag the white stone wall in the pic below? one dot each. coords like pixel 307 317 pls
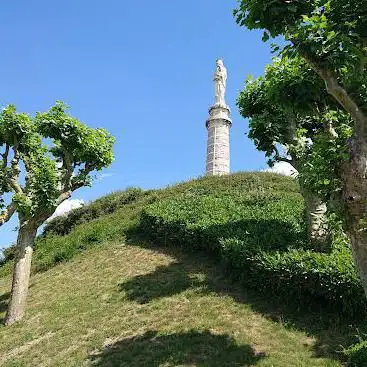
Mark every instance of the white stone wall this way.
pixel 218 150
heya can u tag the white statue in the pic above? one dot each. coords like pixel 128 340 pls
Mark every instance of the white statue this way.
pixel 220 79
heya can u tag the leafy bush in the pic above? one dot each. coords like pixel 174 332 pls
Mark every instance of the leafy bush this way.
pixel 259 232
pixel 108 204
pixel 357 355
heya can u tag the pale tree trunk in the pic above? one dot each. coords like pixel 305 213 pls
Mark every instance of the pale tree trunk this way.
pixel 315 210
pixel 316 221
pixel 21 274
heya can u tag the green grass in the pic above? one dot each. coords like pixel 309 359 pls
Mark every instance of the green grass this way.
pixel 135 305
pixel 101 295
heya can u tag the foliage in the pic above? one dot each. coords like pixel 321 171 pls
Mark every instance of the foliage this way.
pixel 321 168
pixel 8 253
pixel 63 225
pixel 357 355
pixel 331 37
pixel 46 158
pixel 290 107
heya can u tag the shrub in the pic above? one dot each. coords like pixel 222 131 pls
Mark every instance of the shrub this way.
pixel 258 231
pixel 357 355
pixel 108 204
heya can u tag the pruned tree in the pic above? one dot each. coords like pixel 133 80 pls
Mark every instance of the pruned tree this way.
pixel 331 36
pixel 287 109
pixel 44 160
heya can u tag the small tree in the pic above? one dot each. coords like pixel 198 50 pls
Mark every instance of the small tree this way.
pixel 44 160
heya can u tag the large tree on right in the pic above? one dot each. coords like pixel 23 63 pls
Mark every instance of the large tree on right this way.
pixel 331 36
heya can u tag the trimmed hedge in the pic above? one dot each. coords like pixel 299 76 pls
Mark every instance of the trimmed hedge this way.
pixel 259 233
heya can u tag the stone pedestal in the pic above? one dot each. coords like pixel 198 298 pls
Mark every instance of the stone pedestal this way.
pixel 218 155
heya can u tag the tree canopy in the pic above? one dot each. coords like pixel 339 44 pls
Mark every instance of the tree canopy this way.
pixel 46 158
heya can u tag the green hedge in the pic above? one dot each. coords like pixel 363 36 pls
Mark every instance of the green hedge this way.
pixel 260 234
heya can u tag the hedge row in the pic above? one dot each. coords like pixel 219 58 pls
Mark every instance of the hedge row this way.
pixel 260 236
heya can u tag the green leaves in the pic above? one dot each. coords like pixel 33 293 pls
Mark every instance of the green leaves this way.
pixel 274 16
pixel 265 37
pixel 83 144
pixel 47 157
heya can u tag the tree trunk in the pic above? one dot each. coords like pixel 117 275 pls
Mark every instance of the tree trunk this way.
pixel 317 229
pixel 21 274
pixel 316 221
pixel 355 201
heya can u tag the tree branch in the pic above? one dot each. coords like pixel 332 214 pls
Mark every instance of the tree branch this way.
pixel 282 159
pixel 13 180
pixel 7 214
pixel 338 92
pixel 5 156
pixel 67 167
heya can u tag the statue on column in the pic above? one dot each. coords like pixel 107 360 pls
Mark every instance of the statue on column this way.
pixel 220 79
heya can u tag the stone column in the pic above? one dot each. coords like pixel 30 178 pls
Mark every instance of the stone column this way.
pixel 218 154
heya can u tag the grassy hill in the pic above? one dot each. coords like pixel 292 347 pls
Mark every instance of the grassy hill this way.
pixel 212 272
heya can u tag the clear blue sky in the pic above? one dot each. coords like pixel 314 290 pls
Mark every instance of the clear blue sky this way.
pixel 141 69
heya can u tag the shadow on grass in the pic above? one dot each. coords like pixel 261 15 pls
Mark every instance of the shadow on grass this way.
pixel 164 282
pixel 331 332
pixel 187 348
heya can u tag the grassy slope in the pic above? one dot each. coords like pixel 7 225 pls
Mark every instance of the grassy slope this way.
pixel 134 305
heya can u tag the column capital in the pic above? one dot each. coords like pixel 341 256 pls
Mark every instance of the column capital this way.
pixel 219 113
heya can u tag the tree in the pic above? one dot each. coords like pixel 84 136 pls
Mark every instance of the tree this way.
pixel 331 36
pixel 286 108
pixel 44 160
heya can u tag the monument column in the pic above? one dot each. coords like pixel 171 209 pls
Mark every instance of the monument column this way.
pixel 218 125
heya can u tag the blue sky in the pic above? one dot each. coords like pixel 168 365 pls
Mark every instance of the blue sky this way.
pixel 141 69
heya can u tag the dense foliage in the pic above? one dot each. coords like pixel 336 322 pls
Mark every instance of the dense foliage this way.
pixel 293 119
pixel 45 158
pixel 258 231
pixel 357 355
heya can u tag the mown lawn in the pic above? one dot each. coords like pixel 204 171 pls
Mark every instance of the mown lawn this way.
pixel 137 305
